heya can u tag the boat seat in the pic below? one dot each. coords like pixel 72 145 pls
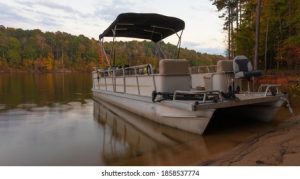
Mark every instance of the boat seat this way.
pixel 174 67
pixel 242 68
pixel 225 66
pixel 174 74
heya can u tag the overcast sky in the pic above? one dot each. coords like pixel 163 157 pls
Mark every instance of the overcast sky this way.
pixel 203 30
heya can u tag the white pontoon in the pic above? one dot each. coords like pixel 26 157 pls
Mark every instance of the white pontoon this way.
pixel 177 96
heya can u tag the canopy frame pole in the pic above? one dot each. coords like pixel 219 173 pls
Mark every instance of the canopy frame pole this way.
pixel 113 46
pixel 153 30
pixel 179 43
pixel 158 44
pixel 101 43
pixel 175 50
pixel 159 51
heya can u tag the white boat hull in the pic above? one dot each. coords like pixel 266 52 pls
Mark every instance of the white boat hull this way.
pixel 191 121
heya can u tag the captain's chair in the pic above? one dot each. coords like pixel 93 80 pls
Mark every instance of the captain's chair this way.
pixel 242 68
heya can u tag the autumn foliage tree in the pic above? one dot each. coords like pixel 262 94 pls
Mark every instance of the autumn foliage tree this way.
pixel 279 31
pixel 46 52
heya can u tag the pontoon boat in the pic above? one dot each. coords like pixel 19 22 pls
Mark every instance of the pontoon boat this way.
pixel 177 96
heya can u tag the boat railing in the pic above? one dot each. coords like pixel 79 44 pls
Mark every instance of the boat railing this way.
pixel 126 72
pixel 272 89
pixel 203 69
pixel 205 95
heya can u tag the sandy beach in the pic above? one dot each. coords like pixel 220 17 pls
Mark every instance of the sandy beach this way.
pixel 278 146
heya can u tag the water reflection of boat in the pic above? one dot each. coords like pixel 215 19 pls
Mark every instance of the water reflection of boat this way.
pixel 127 135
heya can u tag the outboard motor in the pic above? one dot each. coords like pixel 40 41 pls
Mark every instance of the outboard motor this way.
pixel 243 69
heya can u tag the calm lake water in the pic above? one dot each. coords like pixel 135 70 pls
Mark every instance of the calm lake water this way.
pixel 51 119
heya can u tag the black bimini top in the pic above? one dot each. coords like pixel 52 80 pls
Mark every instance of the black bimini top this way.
pixel 154 27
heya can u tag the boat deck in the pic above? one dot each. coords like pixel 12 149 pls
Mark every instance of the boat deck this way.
pixel 241 99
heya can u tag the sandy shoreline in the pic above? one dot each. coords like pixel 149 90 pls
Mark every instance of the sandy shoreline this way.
pixel 278 146
pixel 258 145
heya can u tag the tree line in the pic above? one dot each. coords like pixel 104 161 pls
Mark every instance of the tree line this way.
pixel 34 50
pixel 279 44
pixel 39 51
